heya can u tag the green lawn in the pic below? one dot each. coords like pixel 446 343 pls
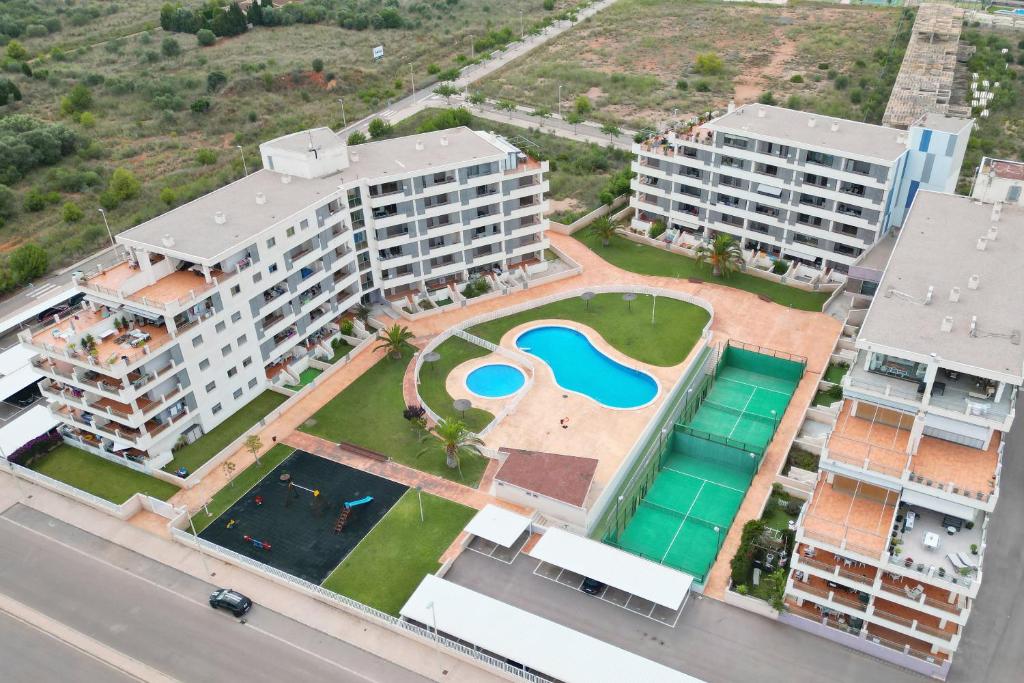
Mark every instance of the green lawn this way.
pixel 676 329
pixel 454 351
pixel 387 565
pixel 369 413
pixel 100 477
pixel 341 349
pixel 647 260
pixel 214 441
pixel 238 486
pixel 835 372
pixel 305 377
pixel 826 397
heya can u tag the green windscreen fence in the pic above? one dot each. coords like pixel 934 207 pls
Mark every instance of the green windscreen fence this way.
pixel 764 362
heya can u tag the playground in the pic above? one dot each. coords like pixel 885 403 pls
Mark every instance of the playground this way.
pixel 305 516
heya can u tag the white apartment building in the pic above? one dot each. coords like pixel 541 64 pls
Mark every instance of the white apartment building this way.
pixel 999 180
pixel 790 184
pixel 891 546
pixel 215 299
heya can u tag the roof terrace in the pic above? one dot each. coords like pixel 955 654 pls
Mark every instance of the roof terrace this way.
pixel 868 443
pixel 850 515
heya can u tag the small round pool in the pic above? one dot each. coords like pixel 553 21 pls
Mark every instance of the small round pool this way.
pixel 495 380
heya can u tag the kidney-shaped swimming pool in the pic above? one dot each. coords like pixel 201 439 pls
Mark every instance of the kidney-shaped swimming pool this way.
pixel 581 368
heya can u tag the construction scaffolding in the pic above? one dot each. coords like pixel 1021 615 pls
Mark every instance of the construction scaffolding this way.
pixel 924 84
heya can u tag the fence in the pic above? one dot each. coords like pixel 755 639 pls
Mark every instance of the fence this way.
pixel 351 606
pixel 586 220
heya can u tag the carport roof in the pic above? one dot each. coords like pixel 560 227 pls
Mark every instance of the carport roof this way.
pixel 498 525
pixel 614 567
pixel 533 641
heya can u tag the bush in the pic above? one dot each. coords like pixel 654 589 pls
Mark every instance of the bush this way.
pixel 657 229
pixel 825 66
pixel 379 128
pixel 206 157
pixel 742 563
pixel 78 100
pixel 72 213
pixel 549 5
pixel 841 82
pixel 37 200
pixel 780 266
pixel 708 64
pixel 9 92
pixel 16 51
pixel 682 85
pixel 357 137
pixel 347 327
pixel 123 184
pixel 703 86
pixel 168 196
pixel 40 445
pixel 205 37
pixel 767 98
pixel 476 287
pixel 87 119
pixel 856 96
pixel 170 47
pixel 215 80
pixel 8 204
pixel 796 78
pixel 200 106
pixel 583 105
pixel 433 69
pixel 318 65
pixel 27 262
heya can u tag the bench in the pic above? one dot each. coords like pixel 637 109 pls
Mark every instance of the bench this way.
pixel 365 452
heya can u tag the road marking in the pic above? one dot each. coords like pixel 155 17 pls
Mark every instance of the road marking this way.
pixel 203 604
pixel 40 291
pixel 81 642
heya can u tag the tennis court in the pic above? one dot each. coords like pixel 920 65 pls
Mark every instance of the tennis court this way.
pixel 709 461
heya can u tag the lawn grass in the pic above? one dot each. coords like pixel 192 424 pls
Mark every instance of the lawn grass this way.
pixel 368 413
pixel 341 349
pixel 214 441
pixel 823 397
pixel 305 377
pixel 387 565
pixel 677 325
pixel 835 372
pixel 100 477
pixel 647 260
pixel 453 351
pixel 238 486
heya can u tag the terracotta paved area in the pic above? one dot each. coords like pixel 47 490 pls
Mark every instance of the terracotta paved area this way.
pixel 967 468
pixel 859 513
pixel 871 445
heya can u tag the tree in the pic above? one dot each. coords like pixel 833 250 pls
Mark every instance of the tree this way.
pixel 9 92
pixel 215 80
pixel 72 212
pixel 451 437
pixel 170 47
pixel 8 203
pixel 123 184
pixel 28 261
pixel 168 196
pixel 379 128
pixel 16 51
pixel 611 130
pixel 200 106
pixel 583 105
pixel 357 137
pixel 477 98
pixel 447 91
pixel 575 119
pixel 393 340
pixel 603 229
pixel 205 37
pixel 507 105
pixel 318 65
pixel 253 444
pixel 708 64
pixel 78 99
pixel 723 254
pixel 87 119
pixel 229 471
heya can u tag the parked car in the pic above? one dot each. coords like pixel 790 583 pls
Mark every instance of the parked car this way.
pixel 591 586
pixel 59 309
pixel 231 600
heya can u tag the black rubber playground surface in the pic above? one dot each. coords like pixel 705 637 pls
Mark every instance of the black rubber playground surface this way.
pixel 301 533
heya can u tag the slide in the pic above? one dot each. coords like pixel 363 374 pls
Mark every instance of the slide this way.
pixel 362 501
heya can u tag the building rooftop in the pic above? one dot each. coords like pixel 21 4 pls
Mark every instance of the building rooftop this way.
pixel 422 151
pixel 938 248
pixel 566 478
pixel 943 122
pixel 1000 168
pixel 305 140
pixel 839 135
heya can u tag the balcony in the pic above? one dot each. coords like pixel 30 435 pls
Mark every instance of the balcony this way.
pixel 850 516
pixel 926 625
pixel 171 292
pixel 849 570
pixel 971 396
pixel 928 542
pixel 907 590
pixel 867 443
pixel 962 471
pixel 894 389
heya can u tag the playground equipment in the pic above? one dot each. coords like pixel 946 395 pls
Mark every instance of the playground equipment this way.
pixel 346 511
pixel 256 543
pixel 293 491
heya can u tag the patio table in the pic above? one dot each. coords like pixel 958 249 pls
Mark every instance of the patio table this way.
pixel 931 540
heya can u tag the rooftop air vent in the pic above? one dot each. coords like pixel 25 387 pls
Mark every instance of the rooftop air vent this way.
pixel 997 209
pixel 419 145
pixel 219 218
pixel 354 156
pixel 954 294
pixel 947 324
pixel 973 281
pixel 761 112
pixel 812 122
pixel 444 140
pixel 928 295
pixel 901 138
pixel 993 232
pixel 167 240
pixel 285 179
pixel 982 243
pixel 261 198
pixel 974 326
pixel 834 127
pixel 732 106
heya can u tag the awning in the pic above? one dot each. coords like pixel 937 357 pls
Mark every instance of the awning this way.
pixel 498 525
pixel 535 642
pixel 154 317
pixel 616 568
pixel 35 421
pixel 769 190
pixel 790 251
pixel 956 427
pixel 946 507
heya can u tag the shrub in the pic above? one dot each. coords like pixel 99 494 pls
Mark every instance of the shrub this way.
pixel 433 69
pixel 549 5
pixel 780 266
pixel 40 445
pixel 8 204
pixel 825 66
pixel 16 51
pixel 347 327
pixel 200 106
pixel 856 96
pixel 170 47
pixel 476 287
pixel 78 100
pixel 794 102
pixel 841 82
pixel 356 137
pixel 205 37
pixel 72 213
pixel 379 128
pixel 796 78
pixel 742 563
pixel 708 64
pixel 703 86
pixel 87 119
pixel 658 228
pixel 583 105
pixel 215 80
pixel 318 65
pixel 9 92
pixel 37 200
pixel 414 412
pixel 28 261
pixel 681 84
pixel 123 184
pixel 767 98
pixel 168 196
pixel 206 157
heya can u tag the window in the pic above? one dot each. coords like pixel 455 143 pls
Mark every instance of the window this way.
pixel 235 290
pixel 290 232
pixel 733 141
pixel 247 362
pixel 271 242
pixel 226 350
pixel 252 383
pixel 861 167
pixel 216 409
pixel 204 364
pixel 236 316
pixel 197 341
pixel 232 372
pixel 820 158
pixel 221 326
pixel 237 393
pixel 257 277
pixel 211 386
pixel 305 223
pixel 272 268
pixel 241 340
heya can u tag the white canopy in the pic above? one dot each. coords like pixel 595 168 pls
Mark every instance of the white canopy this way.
pixel 498 525
pixel 35 421
pixel 616 568
pixel 946 507
pixel 520 636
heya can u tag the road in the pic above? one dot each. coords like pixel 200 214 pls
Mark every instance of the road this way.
pixel 51 285
pixel 150 615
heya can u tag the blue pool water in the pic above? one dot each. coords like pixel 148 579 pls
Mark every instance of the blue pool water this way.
pixel 495 381
pixel 580 367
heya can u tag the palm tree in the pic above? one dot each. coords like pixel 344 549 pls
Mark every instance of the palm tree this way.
pixel 603 229
pixel 393 340
pixel 724 254
pixel 454 439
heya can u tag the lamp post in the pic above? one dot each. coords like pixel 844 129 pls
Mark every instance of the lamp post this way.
pixel 413 82
pixel 522 28
pixel 103 212
pixel 618 503
pixel 199 547
pixel 244 166
pixel 560 101
pixel 344 120
pixel 472 48
pixel 419 496
pixel 433 618
pixel 654 305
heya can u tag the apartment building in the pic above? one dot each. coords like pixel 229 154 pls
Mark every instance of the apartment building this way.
pixel 808 188
pixel 891 547
pixel 999 180
pixel 217 299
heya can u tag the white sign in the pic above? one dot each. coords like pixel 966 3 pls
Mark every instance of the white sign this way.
pixel 378 53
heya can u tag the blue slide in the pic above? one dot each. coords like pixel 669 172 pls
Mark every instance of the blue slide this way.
pixel 362 501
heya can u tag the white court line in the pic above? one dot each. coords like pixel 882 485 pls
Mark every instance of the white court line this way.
pixel 756 386
pixel 708 481
pixel 743 411
pixel 676 535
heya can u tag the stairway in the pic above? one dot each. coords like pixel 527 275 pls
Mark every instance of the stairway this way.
pixel 342 519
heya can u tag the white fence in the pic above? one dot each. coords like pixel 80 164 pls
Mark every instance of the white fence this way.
pixel 352 606
pixel 586 220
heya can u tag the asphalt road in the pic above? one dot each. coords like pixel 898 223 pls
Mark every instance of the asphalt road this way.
pixel 51 285
pixel 41 657
pixel 155 614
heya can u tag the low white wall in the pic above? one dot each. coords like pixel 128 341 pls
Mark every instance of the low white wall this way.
pixel 755 605
pixel 586 220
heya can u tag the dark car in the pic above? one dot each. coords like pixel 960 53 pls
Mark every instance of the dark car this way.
pixel 591 586
pixel 233 601
pixel 47 315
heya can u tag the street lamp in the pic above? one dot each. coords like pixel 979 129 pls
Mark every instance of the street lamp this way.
pixel 472 47
pixel 199 547
pixel 244 167
pixel 559 101
pixel 419 495
pixel 344 121
pixel 433 618
pixel 618 503
pixel 522 29
pixel 411 80
pixel 103 212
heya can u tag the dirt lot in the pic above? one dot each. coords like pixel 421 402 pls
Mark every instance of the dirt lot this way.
pixel 636 60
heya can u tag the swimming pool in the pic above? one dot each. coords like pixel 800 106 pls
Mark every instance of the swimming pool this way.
pixel 495 380
pixel 581 368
